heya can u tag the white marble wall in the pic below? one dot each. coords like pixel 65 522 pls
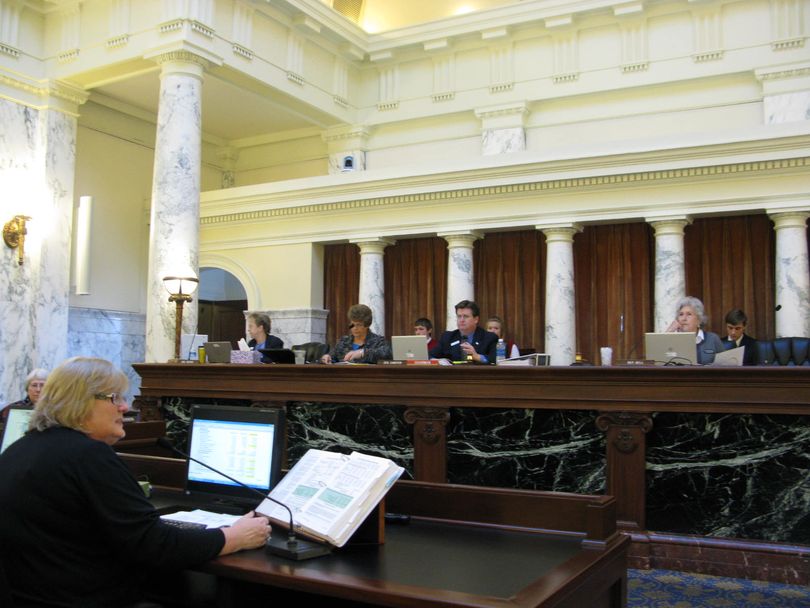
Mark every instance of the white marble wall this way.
pixel 174 232
pixel 503 141
pixel 460 278
pixel 561 328
pixel 113 335
pixel 295 325
pixel 788 107
pixel 37 157
pixel 670 270
pixel 792 274
pixel 372 280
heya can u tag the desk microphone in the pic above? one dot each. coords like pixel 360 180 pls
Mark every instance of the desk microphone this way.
pixel 292 548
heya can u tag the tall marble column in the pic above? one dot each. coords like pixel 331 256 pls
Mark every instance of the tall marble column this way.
pixel 792 274
pixel 561 325
pixel 174 232
pixel 670 270
pixel 460 279
pixel 37 165
pixel 372 280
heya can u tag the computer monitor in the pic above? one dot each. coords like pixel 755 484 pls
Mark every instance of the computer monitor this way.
pixel 243 442
pixel 16 425
pixel 671 348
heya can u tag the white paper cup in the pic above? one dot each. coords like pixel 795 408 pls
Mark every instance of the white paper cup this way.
pixel 606 354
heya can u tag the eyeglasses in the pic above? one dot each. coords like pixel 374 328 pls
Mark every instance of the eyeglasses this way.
pixel 114 398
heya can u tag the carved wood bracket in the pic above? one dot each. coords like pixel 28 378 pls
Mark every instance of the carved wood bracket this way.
pixel 429 422
pixel 624 424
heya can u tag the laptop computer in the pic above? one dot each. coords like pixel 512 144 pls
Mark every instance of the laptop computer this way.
pixel 16 425
pixel 409 348
pixel 218 352
pixel 671 348
pixel 277 355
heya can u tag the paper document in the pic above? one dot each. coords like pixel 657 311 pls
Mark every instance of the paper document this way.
pixel 198 516
pixel 331 494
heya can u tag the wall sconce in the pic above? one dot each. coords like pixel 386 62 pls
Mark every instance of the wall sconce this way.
pixel 14 233
pixel 180 290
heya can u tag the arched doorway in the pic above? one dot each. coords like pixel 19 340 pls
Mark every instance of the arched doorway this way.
pixel 222 304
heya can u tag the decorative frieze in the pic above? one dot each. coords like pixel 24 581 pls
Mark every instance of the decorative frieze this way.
pixel 513 189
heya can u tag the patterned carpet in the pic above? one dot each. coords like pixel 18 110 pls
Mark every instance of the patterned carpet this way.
pixel 668 589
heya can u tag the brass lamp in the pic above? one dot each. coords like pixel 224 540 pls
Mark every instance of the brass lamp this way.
pixel 180 290
pixel 14 232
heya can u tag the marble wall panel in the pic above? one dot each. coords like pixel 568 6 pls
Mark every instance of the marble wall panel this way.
pixel 116 336
pixel 559 451
pixel 740 476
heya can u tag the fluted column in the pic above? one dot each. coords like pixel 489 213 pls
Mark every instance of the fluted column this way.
pixel 561 324
pixel 372 279
pixel 792 274
pixel 460 278
pixel 175 217
pixel 670 269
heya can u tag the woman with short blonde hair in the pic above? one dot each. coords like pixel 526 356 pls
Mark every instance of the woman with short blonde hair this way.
pixel 73 516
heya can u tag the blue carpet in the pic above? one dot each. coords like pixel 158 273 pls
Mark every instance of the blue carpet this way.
pixel 669 589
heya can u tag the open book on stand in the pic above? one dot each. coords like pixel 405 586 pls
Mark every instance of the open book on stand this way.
pixel 331 494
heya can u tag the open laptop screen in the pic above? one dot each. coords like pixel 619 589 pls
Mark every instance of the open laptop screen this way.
pixel 671 348
pixel 16 425
pixel 243 442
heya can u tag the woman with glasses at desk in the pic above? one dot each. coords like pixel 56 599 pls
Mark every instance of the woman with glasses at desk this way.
pixel 361 345
pixel 76 528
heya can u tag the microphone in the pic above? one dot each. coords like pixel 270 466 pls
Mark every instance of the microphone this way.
pixel 292 548
pixel 778 307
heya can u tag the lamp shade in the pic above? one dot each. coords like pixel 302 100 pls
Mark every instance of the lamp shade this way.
pixel 181 285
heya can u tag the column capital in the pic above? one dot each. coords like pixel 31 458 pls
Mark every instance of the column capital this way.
pixel 673 224
pixel 789 219
pixel 560 233
pixel 183 61
pixel 461 238
pixel 372 245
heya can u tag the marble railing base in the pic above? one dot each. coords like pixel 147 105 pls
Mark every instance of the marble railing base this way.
pixel 730 557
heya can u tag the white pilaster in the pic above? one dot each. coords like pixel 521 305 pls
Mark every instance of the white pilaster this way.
pixel 561 324
pixel 174 232
pixel 460 278
pixel 792 274
pixel 372 279
pixel 670 271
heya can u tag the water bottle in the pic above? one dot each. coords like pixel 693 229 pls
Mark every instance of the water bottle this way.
pixel 500 350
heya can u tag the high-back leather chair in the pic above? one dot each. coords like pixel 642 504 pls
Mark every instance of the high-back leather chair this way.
pixel 784 351
pixel 314 351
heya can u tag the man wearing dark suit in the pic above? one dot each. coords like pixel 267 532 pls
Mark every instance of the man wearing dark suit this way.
pixel 469 342
pixel 736 320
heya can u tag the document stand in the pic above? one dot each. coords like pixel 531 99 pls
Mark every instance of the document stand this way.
pixel 370 533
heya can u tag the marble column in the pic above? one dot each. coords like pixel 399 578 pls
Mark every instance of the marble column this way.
pixel 460 279
pixel 372 280
pixel 175 218
pixel 792 274
pixel 670 272
pixel 37 165
pixel 561 326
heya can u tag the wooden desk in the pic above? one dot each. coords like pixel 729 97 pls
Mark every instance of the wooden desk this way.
pixel 623 401
pixel 464 546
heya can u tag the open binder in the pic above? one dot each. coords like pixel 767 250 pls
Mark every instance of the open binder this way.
pixel 331 494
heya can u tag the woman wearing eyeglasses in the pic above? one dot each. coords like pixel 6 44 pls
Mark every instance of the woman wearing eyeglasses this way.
pixel 76 528
pixel 361 345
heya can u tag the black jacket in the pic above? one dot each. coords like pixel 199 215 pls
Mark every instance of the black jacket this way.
pixel 484 342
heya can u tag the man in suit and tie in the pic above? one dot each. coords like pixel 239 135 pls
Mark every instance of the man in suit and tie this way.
pixel 736 321
pixel 469 342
